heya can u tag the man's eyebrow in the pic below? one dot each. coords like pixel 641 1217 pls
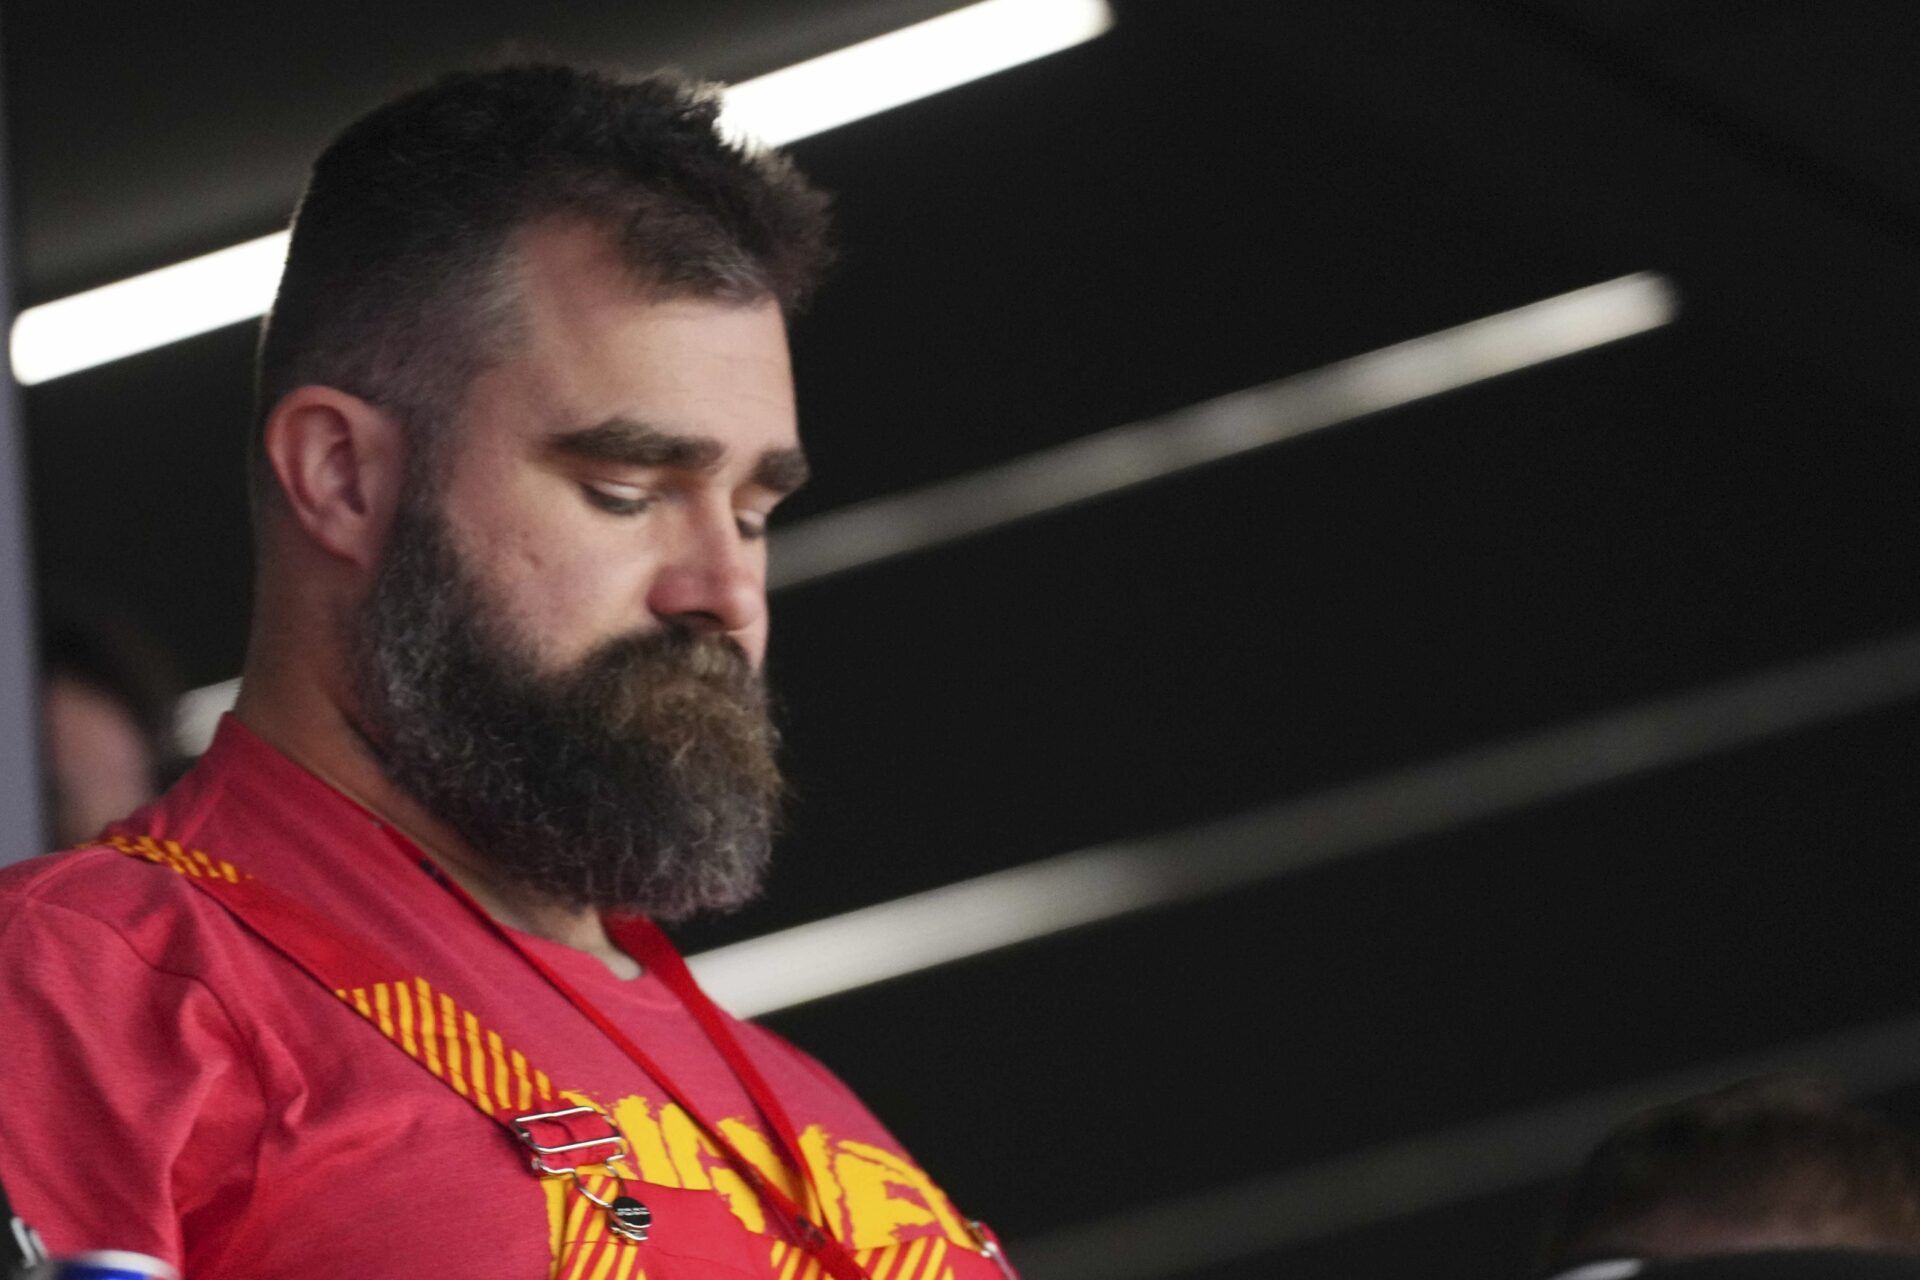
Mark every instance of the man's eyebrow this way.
pixel 640 444
pixel 782 470
pixel 637 444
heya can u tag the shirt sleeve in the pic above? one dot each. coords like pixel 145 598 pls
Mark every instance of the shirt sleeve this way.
pixel 130 1110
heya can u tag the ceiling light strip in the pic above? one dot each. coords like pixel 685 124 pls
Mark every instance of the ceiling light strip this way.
pixel 915 62
pixel 235 284
pixel 890 940
pixel 1211 431
pixel 878 943
pixel 1230 1224
pixel 147 311
pixel 1121 457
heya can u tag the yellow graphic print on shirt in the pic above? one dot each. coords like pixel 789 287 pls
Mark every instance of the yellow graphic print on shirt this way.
pixel 890 1215
pixel 883 1207
pixel 873 1197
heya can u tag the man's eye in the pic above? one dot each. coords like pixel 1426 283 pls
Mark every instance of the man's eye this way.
pixel 619 500
pixel 752 527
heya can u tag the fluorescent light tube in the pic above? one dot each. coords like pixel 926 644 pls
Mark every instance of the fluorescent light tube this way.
pixel 1118 458
pixel 143 312
pixel 151 310
pixel 973 917
pixel 914 62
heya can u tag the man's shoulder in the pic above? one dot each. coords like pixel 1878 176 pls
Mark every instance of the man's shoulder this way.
pixel 149 904
pixel 94 879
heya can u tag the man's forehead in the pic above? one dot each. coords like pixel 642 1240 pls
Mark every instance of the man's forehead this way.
pixel 603 365
pixel 573 263
pixel 567 248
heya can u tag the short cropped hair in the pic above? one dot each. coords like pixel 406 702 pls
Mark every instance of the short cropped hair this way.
pixel 1780 1162
pixel 396 287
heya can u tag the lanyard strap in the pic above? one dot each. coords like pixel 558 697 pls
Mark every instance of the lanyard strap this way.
pixel 644 941
pixel 341 961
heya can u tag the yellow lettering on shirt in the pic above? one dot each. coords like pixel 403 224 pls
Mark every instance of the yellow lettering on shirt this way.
pixel 871 1177
pixel 649 1144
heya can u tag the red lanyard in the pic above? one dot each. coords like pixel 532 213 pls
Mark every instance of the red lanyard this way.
pixel 339 960
pixel 642 940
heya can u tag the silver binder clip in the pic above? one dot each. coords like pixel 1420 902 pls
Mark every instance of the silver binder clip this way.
pixel 626 1215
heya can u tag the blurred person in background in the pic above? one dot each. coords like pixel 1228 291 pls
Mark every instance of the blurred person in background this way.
pixel 107 700
pixel 1781 1171
pixel 375 990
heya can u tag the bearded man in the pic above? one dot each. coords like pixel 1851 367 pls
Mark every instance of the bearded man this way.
pixel 374 991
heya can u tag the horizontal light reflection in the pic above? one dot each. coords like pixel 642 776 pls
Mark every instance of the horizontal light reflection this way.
pixel 1121 457
pixel 892 939
pixel 238 283
pixel 147 311
pixel 871 945
pixel 915 62
pixel 197 714
pixel 877 943
pixel 1199 1233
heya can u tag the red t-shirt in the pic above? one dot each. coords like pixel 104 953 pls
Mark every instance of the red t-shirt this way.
pixel 173 1085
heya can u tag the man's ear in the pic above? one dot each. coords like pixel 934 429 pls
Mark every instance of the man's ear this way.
pixel 340 461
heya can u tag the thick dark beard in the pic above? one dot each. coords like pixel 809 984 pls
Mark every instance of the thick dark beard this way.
pixel 639 780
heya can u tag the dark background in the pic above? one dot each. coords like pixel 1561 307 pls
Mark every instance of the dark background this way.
pixel 1216 194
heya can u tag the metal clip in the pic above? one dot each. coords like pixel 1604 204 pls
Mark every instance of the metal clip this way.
pixel 626 1216
pixel 991 1247
pixel 613 1139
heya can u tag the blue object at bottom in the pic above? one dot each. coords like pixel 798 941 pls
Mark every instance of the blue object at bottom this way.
pixel 112 1266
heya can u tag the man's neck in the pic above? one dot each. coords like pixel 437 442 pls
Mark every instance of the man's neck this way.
pixel 312 730
pixel 579 928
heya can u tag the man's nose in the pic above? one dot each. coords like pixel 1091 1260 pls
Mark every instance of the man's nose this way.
pixel 713 580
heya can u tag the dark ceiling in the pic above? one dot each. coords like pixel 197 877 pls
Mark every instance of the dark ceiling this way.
pixel 1216 194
